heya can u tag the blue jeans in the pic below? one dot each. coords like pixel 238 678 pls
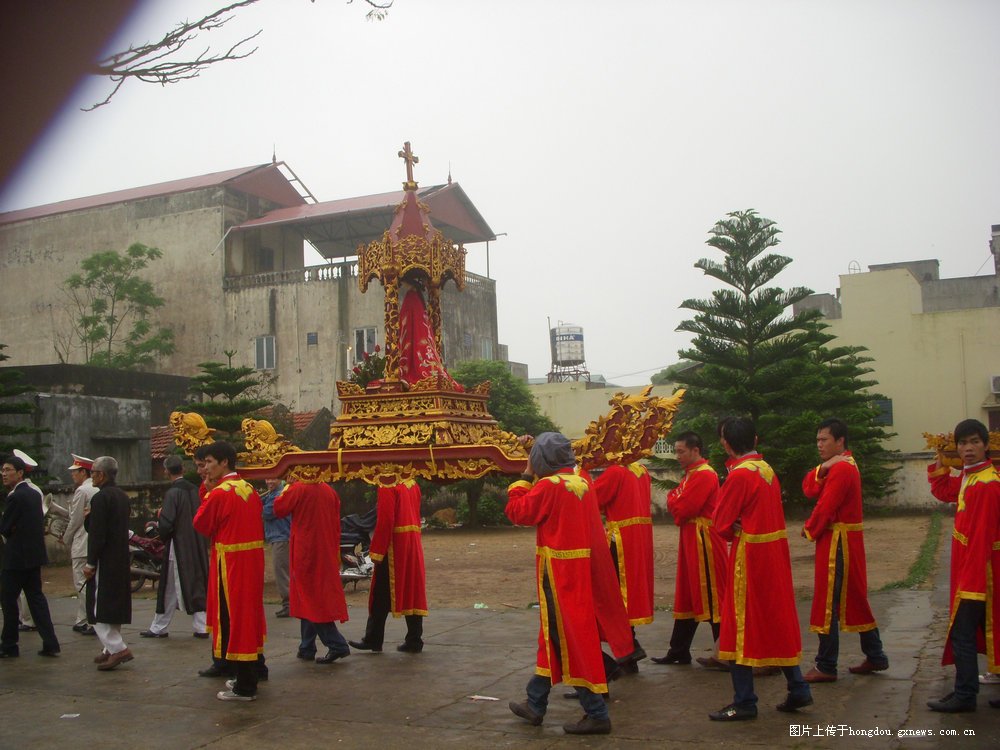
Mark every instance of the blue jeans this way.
pixel 538 698
pixel 328 634
pixel 970 617
pixel 829 643
pixel 745 697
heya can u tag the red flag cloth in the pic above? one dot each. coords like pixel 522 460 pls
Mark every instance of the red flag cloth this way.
pixel 230 516
pixel 315 592
pixel 418 353
pixel 397 539
pixel 701 553
pixel 623 495
pixel 760 626
pixel 974 559
pixel 837 520
pixel 569 648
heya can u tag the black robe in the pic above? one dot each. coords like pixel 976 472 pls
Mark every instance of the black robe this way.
pixel 107 549
pixel 180 503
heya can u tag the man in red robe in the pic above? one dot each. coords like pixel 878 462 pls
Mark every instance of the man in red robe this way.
pixel 398 583
pixel 623 495
pixel 315 593
pixel 561 504
pixel 840 596
pixel 230 516
pixel 701 552
pixel 760 627
pixel 977 519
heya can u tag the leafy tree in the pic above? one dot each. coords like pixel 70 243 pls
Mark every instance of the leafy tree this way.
pixel 112 305
pixel 511 404
pixel 13 432
pixel 234 394
pixel 774 367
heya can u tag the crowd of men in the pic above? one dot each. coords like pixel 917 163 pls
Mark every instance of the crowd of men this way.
pixel 594 567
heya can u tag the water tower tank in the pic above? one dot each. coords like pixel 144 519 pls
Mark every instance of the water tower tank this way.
pixel 567 345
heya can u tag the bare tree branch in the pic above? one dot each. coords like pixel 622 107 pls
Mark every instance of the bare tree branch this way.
pixel 151 62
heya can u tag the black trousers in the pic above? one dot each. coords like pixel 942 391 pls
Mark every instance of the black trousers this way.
pixel 683 634
pixel 12 583
pixel 381 606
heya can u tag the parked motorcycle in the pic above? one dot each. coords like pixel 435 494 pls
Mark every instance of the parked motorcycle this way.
pixel 355 539
pixel 145 556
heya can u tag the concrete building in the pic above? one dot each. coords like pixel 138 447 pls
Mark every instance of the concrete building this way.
pixel 935 342
pixel 234 278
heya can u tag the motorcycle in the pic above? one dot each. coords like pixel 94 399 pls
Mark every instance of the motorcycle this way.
pixel 145 555
pixel 355 539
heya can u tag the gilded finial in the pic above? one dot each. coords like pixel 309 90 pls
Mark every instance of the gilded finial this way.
pixel 410 158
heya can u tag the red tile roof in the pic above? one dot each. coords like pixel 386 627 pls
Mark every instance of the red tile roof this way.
pixel 161 441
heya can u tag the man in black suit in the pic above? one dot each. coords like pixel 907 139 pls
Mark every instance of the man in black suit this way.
pixel 23 528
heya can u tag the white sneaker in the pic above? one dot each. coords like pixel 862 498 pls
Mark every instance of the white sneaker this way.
pixel 989 679
pixel 229 695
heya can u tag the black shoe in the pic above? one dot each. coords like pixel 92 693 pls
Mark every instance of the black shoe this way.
pixel 952 705
pixel 630 667
pixel 331 657
pixel 49 652
pixel 151 634
pixel 305 655
pixel 732 712
pixel 794 703
pixel 214 671
pixel 671 659
pixel 362 646
pixel 638 655
pixel 283 612
pixel 26 628
pixel 89 631
pixel 526 712
pixel 571 695
pixel 80 627
pixel 411 648
pixel 589 725
pixel 200 635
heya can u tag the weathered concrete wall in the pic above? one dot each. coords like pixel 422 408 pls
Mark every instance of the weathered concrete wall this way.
pixel 912 492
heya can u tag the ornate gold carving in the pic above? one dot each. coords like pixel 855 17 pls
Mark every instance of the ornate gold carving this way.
pixel 190 431
pixel 947 452
pixel 347 388
pixel 264 445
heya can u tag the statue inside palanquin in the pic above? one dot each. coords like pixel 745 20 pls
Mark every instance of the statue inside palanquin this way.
pixel 419 357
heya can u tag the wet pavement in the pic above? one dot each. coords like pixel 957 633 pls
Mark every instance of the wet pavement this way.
pixel 395 700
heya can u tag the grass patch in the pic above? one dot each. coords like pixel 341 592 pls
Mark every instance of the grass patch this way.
pixel 924 564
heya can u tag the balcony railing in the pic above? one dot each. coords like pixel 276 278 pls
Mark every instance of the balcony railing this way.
pixel 326 272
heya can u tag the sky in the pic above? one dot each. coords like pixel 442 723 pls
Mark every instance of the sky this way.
pixel 601 139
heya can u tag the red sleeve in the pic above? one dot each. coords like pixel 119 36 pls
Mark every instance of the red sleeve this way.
pixel 812 484
pixel 206 520
pixel 527 505
pixel 944 486
pixel 732 495
pixel 382 536
pixel 834 489
pixel 608 485
pixel 687 500
pixel 285 502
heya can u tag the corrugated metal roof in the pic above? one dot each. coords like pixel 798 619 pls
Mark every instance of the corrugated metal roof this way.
pixel 336 228
pixel 263 180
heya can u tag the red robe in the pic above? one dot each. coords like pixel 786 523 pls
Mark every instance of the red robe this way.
pixel 623 495
pixel 836 520
pixel 397 536
pixel 418 355
pixel 569 648
pixel 315 592
pixel 230 516
pixel 760 626
pixel 701 552
pixel 612 619
pixel 973 557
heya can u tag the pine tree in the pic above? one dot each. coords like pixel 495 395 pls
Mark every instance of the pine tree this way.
pixel 759 361
pixel 234 394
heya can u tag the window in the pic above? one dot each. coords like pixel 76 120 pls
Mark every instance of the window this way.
pixel 884 406
pixel 487 349
pixel 364 342
pixel 312 338
pixel 663 447
pixel 264 348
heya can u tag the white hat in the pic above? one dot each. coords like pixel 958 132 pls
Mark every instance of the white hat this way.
pixel 29 462
pixel 81 462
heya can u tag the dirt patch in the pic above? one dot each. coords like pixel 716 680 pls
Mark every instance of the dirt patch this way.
pixel 495 567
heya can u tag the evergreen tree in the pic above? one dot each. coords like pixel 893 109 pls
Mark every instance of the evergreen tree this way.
pixel 511 404
pixel 234 394
pixel 759 361
pixel 13 432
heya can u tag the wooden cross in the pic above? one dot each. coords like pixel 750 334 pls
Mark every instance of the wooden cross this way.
pixel 410 158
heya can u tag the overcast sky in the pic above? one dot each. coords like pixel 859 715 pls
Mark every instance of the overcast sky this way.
pixel 604 138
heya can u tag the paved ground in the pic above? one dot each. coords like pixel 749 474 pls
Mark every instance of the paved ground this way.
pixel 395 700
